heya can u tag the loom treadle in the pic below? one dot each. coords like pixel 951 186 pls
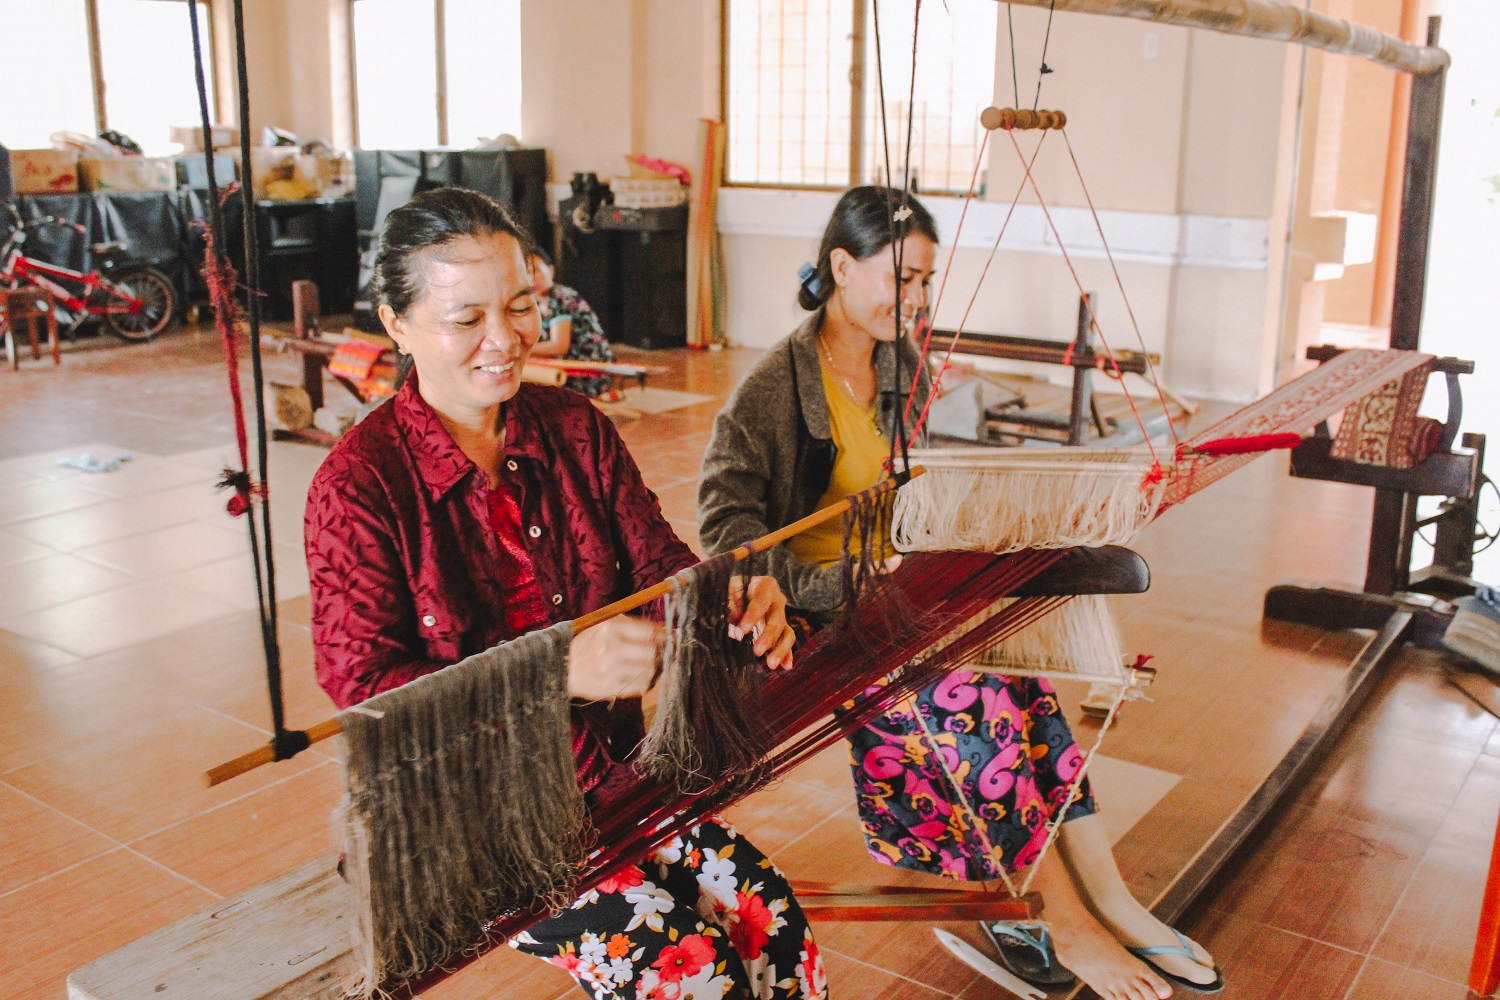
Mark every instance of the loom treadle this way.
pixel 286 939
pixel 1337 608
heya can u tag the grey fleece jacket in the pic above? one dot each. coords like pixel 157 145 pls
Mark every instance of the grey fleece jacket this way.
pixel 772 454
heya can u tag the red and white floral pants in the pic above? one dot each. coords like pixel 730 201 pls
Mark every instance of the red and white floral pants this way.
pixel 707 916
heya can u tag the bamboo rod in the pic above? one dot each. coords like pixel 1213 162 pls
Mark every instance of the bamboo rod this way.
pixel 247 762
pixel 1277 20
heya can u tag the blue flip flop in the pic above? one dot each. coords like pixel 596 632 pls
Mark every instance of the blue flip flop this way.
pixel 1026 950
pixel 1183 948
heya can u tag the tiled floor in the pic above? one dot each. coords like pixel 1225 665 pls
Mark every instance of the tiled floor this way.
pixel 130 662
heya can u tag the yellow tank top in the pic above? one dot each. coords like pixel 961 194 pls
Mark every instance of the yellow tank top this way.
pixel 862 451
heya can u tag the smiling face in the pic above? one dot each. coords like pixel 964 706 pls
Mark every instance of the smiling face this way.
pixel 472 326
pixel 867 288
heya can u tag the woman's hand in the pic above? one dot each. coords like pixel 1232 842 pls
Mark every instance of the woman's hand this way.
pixel 615 659
pixel 763 615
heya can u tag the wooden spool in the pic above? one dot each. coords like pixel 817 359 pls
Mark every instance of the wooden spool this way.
pixel 1021 118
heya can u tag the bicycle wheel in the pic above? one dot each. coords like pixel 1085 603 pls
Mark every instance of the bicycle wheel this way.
pixel 139 303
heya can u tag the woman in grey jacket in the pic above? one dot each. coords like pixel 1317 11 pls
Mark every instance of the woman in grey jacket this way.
pixel 815 421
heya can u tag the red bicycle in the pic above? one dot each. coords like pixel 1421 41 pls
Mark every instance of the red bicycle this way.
pixel 135 302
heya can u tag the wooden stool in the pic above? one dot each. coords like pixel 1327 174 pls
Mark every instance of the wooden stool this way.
pixel 29 305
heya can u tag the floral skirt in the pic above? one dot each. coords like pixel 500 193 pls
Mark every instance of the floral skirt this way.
pixel 1006 742
pixel 706 916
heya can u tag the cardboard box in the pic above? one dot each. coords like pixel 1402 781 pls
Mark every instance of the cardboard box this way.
pixel 44 171
pixel 192 170
pixel 191 137
pixel 127 173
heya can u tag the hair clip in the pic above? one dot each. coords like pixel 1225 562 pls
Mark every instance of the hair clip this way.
pixel 903 213
pixel 810 279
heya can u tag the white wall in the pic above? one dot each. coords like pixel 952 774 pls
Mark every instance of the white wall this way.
pixel 1186 151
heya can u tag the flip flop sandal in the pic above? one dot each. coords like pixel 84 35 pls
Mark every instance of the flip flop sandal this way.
pixel 1026 950
pixel 1185 949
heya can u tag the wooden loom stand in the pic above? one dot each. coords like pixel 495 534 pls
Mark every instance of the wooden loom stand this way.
pixel 330 727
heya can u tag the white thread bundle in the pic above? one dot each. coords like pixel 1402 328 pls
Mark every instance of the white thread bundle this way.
pixel 1006 500
pixel 1078 641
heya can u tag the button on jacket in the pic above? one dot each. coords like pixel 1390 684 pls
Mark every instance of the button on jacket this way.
pixel 408 571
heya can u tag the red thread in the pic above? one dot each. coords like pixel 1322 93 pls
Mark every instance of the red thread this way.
pixel 1068 356
pixel 1243 445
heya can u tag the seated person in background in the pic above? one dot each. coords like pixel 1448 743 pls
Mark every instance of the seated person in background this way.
pixel 570 329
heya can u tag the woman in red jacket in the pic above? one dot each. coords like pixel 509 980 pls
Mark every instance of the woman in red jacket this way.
pixel 471 509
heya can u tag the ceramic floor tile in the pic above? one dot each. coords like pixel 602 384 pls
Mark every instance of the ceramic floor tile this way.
pixel 54 926
pixel 42 497
pixel 505 972
pixel 232 581
pixel 1383 981
pixel 148 773
pixel 43 465
pixel 53 705
pixel 36 841
pixel 1126 792
pixel 1432 929
pixel 101 522
pixel 171 550
pixel 146 474
pixel 200 497
pixel 852 978
pixel 14 549
pixel 254 838
pixel 1471 821
pixel 55 579
pixel 116 619
pixel 777 816
pixel 1325 876
pixel 1262 963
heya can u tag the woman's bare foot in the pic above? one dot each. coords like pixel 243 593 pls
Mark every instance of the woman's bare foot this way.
pixel 1101 962
pixel 1135 927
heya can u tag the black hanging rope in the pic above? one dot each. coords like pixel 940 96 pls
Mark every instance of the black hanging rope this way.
pixel 1015 78
pixel 1045 69
pixel 898 248
pixel 286 743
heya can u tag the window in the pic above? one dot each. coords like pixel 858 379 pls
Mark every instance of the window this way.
pixel 403 101
pixel 146 62
pixel 146 58
pixel 796 70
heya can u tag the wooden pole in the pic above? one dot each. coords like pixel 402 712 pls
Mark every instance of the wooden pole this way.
pixel 1484 973
pixel 330 727
pixel 1393 518
pixel 1277 20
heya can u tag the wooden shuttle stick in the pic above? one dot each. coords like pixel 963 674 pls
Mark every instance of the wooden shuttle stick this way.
pixel 330 727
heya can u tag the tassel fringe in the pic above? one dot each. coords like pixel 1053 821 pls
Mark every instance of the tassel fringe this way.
pixel 1026 498
pixel 461 806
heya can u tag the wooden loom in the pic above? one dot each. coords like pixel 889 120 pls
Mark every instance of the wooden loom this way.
pixel 247 916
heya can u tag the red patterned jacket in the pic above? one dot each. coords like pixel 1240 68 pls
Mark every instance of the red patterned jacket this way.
pixel 409 570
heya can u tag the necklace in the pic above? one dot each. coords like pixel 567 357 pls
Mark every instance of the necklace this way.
pixel 836 372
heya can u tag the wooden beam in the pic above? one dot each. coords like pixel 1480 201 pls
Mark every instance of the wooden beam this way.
pixel 1271 19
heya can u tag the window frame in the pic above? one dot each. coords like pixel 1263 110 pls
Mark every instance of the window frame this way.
pixel 96 61
pixel 440 81
pixel 858 57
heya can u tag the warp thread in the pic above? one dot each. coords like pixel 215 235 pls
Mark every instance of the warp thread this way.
pixel 1008 500
pixel 1077 641
pixel 461 806
pixel 704 731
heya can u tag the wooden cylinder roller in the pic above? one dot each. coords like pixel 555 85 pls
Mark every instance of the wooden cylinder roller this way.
pixel 1021 118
